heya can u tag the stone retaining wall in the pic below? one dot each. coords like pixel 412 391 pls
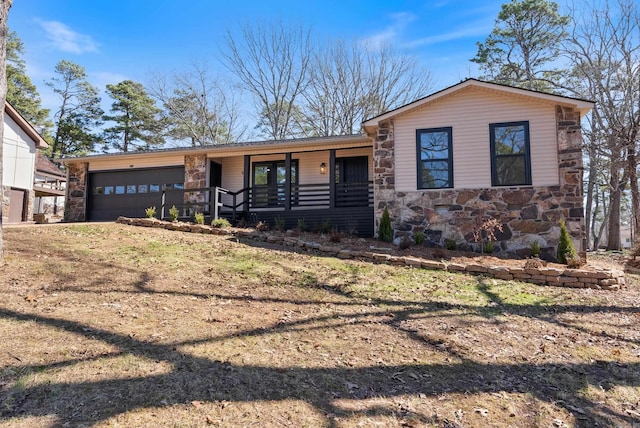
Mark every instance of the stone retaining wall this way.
pixel 601 279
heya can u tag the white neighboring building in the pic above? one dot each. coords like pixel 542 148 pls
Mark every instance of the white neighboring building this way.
pixel 19 148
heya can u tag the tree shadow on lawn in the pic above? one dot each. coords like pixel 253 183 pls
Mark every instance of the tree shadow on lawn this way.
pixel 199 379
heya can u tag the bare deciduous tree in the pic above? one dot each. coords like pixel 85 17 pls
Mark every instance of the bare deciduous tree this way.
pixel 272 62
pixel 604 50
pixel 198 108
pixel 350 83
pixel 5 5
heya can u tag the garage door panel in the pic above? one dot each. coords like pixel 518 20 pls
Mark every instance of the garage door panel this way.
pixel 129 193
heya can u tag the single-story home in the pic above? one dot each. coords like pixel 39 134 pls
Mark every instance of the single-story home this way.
pixel 443 166
pixel 19 150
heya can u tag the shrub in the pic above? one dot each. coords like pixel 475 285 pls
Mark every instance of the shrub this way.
pixel 405 243
pixel 199 218
pixel 220 223
pixel 385 233
pixel 575 261
pixel 450 244
pixel 535 249
pixel 335 236
pixel 262 226
pixel 488 247
pixel 325 227
pixel 279 223
pixel 419 238
pixel 566 250
pixel 173 213
pixel 302 225
pixel 150 212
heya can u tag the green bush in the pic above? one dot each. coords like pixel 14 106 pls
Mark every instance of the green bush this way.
pixel 566 250
pixel 302 225
pixel 450 244
pixel 220 223
pixel 419 238
pixel 199 218
pixel 150 212
pixel 279 223
pixel 325 227
pixel 489 248
pixel 385 233
pixel 173 213
pixel 535 249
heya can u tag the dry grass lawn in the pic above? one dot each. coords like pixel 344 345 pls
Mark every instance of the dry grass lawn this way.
pixel 106 325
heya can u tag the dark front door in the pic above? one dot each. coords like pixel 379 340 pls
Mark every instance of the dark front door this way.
pixel 352 182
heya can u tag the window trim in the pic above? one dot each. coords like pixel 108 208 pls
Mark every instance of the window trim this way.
pixel 419 184
pixel 495 156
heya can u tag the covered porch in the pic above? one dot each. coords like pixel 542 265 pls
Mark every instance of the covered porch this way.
pixel 318 188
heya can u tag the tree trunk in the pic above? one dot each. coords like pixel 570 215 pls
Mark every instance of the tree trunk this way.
pixel 591 184
pixel 4 13
pixel 635 192
pixel 615 197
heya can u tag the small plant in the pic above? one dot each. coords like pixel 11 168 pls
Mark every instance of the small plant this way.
pixel 335 236
pixel 405 243
pixel 150 212
pixel 279 223
pixel 450 244
pixel 575 261
pixel 419 238
pixel 262 226
pixel 385 233
pixel 325 227
pixel 566 250
pixel 220 223
pixel 489 247
pixel 535 250
pixel 440 253
pixel 302 225
pixel 199 218
pixel 173 213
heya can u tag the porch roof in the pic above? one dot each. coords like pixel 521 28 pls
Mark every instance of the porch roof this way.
pixel 243 148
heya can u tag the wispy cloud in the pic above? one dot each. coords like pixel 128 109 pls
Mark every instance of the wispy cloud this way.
pixel 479 30
pixel 67 40
pixel 389 34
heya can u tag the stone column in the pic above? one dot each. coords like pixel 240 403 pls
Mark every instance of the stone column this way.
pixel 76 195
pixel 195 177
pixel 384 173
pixel 5 203
pixel 571 168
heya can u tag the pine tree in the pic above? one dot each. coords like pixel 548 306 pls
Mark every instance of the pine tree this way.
pixel 135 114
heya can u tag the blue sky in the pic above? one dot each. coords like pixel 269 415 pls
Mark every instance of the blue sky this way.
pixel 128 39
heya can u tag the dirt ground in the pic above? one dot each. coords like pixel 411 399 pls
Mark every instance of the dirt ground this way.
pixel 106 325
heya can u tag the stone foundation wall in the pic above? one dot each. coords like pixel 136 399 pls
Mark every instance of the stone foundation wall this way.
pixel 76 198
pixel 525 214
pixel 195 177
pixel 5 203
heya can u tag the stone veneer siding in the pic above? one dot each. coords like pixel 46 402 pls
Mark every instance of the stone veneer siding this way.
pixel 195 177
pixel 526 214
pixel 5 203
pixel 76 200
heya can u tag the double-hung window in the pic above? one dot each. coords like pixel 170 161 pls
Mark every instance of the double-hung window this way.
pixel 510 154
pixel 435 158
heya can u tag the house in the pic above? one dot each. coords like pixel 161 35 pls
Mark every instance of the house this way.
pixel 476 151
pixel 442 165
pixel 19 147
pixel 49 188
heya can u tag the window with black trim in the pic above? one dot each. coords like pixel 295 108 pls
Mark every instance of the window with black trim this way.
pixel 510 154
pixel 269 183
pixel 435 158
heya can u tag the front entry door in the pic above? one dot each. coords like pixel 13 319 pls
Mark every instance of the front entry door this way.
pixel 352 182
